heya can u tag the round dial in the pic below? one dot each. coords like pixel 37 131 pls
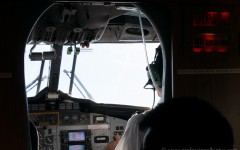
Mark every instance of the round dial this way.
pixel 75 118
pixel 66 118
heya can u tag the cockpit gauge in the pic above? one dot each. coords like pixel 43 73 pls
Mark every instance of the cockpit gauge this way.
pixel 83 117
pixel 99 119
pixel 66 118
pixel 75 118
pixel 45 118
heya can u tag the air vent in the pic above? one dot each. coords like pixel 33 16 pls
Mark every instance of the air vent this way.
pixel 42 106
pixel 76 106
pixel 69 106
pixel 62 106
pixel 35 107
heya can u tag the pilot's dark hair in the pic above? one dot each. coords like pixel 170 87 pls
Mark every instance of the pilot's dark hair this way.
pixel 188 123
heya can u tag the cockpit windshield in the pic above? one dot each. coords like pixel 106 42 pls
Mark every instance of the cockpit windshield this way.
pixel 87 55
pixel 105 73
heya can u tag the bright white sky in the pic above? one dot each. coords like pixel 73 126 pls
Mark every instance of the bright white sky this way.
pixel 112 73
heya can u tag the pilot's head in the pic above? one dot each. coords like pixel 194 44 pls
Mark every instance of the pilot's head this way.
pixel 186 123
pixel 155 72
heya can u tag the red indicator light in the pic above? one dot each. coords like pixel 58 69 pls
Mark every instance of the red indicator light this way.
pixel 197 50
pixel 222 50
pixel 212 13
pixel 209 36
pixel 208 50
pixel 225 15
pixel 210 43
pixel 211 18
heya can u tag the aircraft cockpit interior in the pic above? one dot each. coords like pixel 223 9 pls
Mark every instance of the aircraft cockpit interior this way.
pixel 73 73
pixel 81 89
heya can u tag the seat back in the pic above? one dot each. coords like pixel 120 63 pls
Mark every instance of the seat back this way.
pixel 186 122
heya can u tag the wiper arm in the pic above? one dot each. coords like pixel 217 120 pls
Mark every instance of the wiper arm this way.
pixel 40 76
pixel 30 84
pixel 33 83
pixel 74 83
pixel 81 84
pixel 85 90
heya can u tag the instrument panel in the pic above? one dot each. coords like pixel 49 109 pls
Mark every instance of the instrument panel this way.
pixel 68 128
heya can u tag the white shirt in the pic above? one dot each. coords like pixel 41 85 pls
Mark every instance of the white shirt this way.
pixel 132 137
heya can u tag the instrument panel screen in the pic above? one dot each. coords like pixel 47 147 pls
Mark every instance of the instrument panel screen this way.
pixel 76 136
pixel 99 119
pixel 76 147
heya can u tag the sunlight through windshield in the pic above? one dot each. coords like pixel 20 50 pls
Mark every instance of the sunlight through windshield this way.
pixel 105 73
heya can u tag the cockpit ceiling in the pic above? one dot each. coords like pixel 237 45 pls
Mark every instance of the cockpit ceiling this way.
pixel 66 24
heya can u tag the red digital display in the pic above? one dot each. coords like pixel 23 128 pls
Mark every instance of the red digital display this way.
pixel 209 43
pixel 211 18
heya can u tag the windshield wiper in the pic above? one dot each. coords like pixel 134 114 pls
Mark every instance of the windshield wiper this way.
pixel 80 83
pixel 31 85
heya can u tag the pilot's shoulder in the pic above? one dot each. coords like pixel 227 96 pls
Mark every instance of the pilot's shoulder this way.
pixel 138 116
pixel 141 111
